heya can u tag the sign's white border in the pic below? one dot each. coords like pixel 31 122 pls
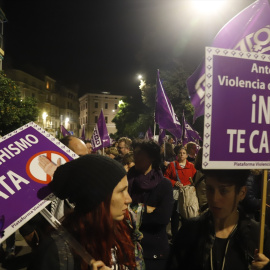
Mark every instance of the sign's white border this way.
pixel 208 164
pixel 42 203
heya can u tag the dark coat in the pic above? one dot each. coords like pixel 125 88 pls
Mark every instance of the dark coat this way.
pixel 195 239
pixel 155 241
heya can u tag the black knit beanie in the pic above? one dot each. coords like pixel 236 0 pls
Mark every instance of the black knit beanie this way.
pixel 87 181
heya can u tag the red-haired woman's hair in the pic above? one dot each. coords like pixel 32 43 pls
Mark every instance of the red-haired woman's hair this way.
pixel 98 233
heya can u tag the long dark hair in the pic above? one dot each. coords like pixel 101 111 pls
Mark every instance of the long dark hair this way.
pixel 98 233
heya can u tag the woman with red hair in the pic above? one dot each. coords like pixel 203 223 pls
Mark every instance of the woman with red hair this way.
pixel 98 187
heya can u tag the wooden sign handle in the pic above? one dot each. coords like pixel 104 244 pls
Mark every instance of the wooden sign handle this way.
pixel 263 209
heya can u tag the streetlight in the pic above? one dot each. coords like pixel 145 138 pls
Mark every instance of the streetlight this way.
pixel 207 6
pixel 66 121
pixel 142 82
pixel 44 116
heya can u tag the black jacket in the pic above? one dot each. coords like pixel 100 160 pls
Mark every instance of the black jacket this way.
pixel 195 239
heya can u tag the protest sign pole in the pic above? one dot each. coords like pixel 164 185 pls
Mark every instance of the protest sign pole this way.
pixel 263 209
pixel 67 236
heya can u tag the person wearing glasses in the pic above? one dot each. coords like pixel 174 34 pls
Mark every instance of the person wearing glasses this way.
pixel 124 146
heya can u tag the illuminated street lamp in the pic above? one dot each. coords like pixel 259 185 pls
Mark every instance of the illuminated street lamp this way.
pixel 207 6
pixel 66 121
pixel 44 116
pixel 142 82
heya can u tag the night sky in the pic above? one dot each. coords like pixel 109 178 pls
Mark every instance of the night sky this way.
pixel 104 45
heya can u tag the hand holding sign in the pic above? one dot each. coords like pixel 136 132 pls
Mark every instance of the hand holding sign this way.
pixel 48 166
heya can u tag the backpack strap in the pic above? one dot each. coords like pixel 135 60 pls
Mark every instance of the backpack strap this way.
pixel 176 172
pixel 66 260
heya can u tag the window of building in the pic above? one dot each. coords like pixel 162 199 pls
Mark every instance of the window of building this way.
pixel 47 85
pixel 96 118
pixel 106 105
pixel 106 119
pixel 86 120
pixel 115 106
pixel 96 105
pixel 85 105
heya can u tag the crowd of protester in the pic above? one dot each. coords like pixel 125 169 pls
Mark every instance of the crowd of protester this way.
pixel 120 207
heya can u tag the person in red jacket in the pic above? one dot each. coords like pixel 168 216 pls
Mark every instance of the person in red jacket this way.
pixel 185 171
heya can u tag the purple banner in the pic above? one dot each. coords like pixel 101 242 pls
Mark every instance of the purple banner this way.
pixel 162 136
pixel 100 138
pixel 64 131
pixel 148 134
pixel 23 182
pixel 237 110
pixel 165 116
pixel 189 134
pixel 248 31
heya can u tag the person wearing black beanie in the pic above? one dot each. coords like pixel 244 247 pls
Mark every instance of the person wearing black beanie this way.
pixel 87 181
pixel 98 187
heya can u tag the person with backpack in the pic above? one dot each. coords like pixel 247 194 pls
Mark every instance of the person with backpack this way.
pixel 98 187
pixel 179 173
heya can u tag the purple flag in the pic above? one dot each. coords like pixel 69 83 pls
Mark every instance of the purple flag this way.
pixel 189 134
pixel 100 137
pixel 162 136
pixel 165 116
pixel 148 134
pixel 83 133
pixel 249 31
pixel 64 131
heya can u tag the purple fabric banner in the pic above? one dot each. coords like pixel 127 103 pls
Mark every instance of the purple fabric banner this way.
pixel 165 116
pixel 148 134
pixel 23 183
pixel 100 138
pixel 83 133
pixel 162 136
pixel 249 31
pixel 189 134
pixel 64 131
pixel 237 110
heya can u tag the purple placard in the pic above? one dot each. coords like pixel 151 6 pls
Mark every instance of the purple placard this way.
pixel 23 184
pixel 237 110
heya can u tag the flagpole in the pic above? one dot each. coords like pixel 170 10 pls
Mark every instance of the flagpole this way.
pixel 155 124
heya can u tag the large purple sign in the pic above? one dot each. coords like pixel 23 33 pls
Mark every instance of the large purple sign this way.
pixel 237 110
pixel 23 183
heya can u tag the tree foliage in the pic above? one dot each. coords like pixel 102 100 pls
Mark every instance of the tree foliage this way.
pixel 133 117
pixel 14 112
pixel 137 114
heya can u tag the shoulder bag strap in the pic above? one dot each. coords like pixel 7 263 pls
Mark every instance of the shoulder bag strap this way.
pixel 176 172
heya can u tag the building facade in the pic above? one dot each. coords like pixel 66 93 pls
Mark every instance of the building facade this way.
pixel 2 21
pixel 57 104
pixel 90 108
